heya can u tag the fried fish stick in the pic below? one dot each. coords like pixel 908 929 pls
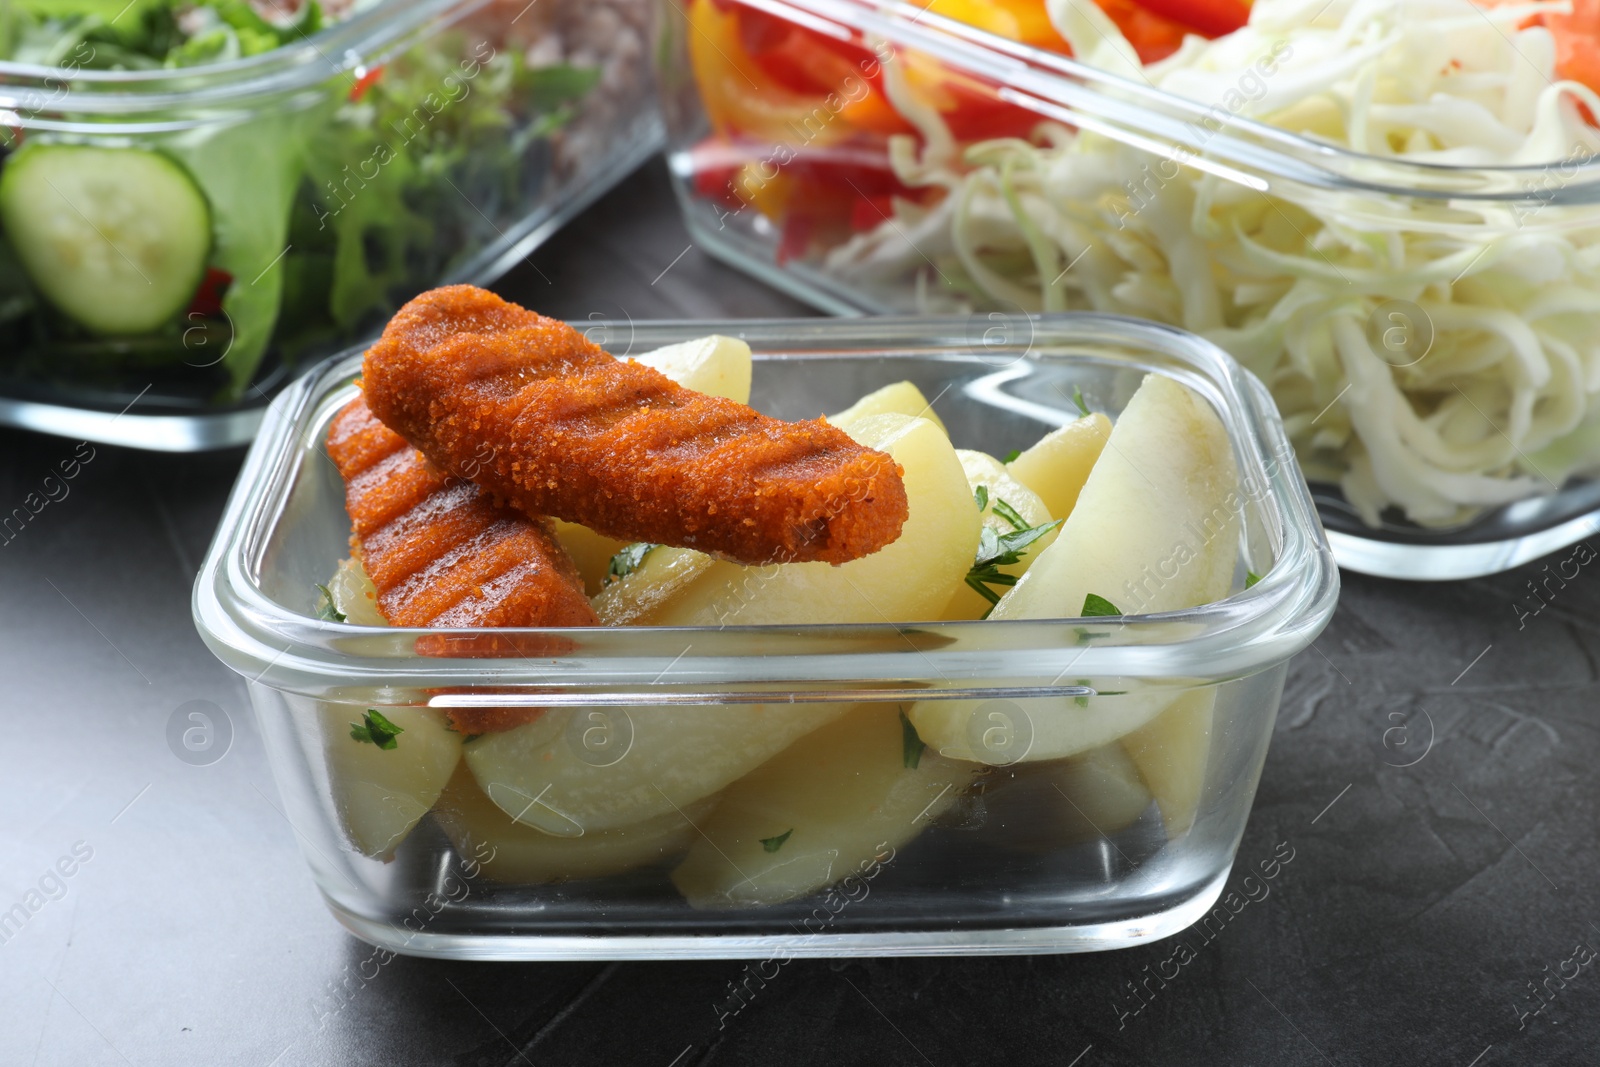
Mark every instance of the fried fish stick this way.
pixel 545 420
pixel 438 550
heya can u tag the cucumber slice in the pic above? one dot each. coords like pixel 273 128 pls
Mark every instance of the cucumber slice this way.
pixel 116 238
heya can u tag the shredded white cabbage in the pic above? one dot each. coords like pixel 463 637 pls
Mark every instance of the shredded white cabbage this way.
pixel 1297 283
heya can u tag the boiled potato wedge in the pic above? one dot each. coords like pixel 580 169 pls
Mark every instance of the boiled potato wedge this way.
pixel 508 851
pixel 911 579
pixel 1156 528
pixel 817 810
pixel 1037 807
pixel 1172 752
pixel 354 596
pixel 379 794
pixel 591 552
pixel 1000 487
pixel 1157 525
pixel 900 398
pixel 1058 464
pixel 716 365
pixel 666 759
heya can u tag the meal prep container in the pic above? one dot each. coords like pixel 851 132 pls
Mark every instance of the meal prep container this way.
pixel 419 142
pixel 1024 856
pixel 784 202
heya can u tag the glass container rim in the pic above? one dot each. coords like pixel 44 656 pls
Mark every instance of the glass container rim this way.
pixel 1247 632
pixel 1062 88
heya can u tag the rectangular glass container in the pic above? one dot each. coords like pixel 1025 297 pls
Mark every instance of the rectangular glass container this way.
pixel 1012 855
pixel 827 197
pixel 417 143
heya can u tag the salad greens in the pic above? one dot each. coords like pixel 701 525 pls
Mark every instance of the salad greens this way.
pixel 326 211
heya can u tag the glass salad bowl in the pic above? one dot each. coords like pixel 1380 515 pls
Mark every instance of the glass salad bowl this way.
pixel 842 829
pixel 178 235
pixel 1422 304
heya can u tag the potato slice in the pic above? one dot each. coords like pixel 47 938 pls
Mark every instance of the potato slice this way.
pixel 354 596
pixel 1164 497
pixel 1172 752
pixel 1037 807
pixel 664 758
pixel 999 485
pixel 1156 528
pixel 813 813
pixel 1058 464
pixel 716 365
pixel 900 398
pixel 590 551
pixel 911 579
pixel 508 851
pixel 379 794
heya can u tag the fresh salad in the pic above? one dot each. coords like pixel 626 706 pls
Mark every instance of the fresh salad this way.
pixel 1436 358
pixel 192 249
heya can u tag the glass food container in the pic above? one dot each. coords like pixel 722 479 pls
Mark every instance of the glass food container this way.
pixel 875 157
pixel 886 844
pixel 176 242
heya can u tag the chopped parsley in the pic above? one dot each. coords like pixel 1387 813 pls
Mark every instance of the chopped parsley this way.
pixel 327 610
pixel 911 743
pixel 996 551
pixel 1010 514
pixel 376 730
pixel 1013 454
pixel 981 495
pixel 773 844
pixel 1251 578
pixel 1077 398
pixel 1095 607
pixel 628 560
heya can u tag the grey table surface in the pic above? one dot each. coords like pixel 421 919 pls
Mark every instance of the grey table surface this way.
pixel 1433 771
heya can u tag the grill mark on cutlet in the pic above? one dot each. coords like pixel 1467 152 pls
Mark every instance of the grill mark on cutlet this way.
pixel 438 548
pixel 475 561
pixel 618 447
pixel 443 524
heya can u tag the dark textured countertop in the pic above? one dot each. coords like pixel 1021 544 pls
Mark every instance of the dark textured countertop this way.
pixel 1423 904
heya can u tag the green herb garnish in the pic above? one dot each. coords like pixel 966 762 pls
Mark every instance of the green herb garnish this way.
pixel 773 844
pixel 911 743
pixel 1085 636
pixel 628 560
pixel 1010 514
pixel 1077 398
pixel 1251 578
pixel 1013 454
pixel 327 611
pixel 981 495
pixel 1095 607
pixel 1082 702
pixel 996 551
pixel 376 730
